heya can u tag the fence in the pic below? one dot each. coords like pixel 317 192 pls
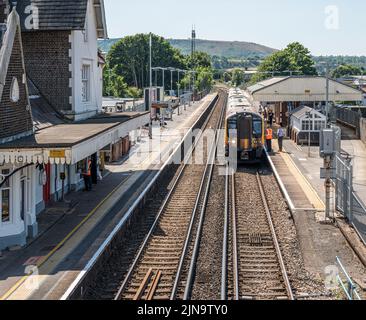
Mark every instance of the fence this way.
pixel 349 118
pixel 363 129
pixel 347 201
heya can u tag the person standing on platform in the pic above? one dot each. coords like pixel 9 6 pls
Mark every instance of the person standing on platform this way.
pixel 270 117
pixel 269 137
pixel 88 177
pixel 280 135
pixel 265 114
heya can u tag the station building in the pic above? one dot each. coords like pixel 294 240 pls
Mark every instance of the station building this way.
pixel 284 94
pixel 51 119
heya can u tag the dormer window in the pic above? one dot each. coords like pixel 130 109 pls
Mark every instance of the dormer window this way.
pixel 14 90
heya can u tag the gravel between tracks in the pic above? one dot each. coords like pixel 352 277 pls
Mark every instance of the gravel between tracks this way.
pixel 207 281
pixel 304 284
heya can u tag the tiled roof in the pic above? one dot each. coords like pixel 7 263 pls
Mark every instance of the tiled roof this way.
pixel 54 14
pixel 44 115
pixel 300 112
pixel 266 83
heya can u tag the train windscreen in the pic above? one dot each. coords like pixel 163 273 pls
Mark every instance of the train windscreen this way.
pixel 257 128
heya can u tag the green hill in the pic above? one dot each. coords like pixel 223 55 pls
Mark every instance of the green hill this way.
pixel 228 49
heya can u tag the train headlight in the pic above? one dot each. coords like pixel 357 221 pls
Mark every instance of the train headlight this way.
pixel 233 141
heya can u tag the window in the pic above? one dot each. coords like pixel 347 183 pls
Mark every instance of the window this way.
pixel 319 125
pixel 257 128
pixel 307 125
pixel 85 78
pixel 5 199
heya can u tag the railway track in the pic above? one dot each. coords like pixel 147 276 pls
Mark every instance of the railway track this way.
pixel 157 271
pixel 255 267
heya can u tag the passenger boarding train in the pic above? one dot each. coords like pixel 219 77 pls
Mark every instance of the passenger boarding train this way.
pixel 244 128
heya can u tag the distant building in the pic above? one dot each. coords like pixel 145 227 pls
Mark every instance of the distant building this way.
pixel 304 121
pixel 284 94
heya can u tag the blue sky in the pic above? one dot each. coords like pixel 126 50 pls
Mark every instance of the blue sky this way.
pixel 324 26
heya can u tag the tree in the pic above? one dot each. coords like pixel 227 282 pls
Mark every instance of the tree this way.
pixel 295 59
pixel 133 92
pixel 114 84
pixel 129 58
pixel 347 70
pixel 237 77
pixel 198 59
pixel 204 78
pixel 226 77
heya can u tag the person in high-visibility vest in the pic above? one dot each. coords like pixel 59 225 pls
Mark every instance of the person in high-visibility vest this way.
pixel 269 137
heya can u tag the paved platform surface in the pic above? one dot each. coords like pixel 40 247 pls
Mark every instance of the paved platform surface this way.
pixel 320 243
pixel 70 236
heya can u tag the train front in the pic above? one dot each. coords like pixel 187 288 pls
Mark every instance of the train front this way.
pixel 244 131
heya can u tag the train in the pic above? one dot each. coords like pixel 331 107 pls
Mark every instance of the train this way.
pixel 244 128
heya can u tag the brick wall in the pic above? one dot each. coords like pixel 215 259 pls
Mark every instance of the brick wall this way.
pixel 3 10
pixel 47 63
pixel 363 129
pixel 15 119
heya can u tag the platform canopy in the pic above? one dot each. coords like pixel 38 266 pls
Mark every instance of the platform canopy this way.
pixel 302 89
pixel 70 143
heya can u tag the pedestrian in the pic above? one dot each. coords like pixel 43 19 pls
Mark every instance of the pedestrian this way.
pixel 280 135
pixel 260 109
pixel 270 116
pixel 265 113
pixel 87 177
pixel 269 137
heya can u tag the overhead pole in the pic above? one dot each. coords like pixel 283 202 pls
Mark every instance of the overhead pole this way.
pixel 193 51
pixel 150 90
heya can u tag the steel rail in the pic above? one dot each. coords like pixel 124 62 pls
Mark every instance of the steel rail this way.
pixel 235 239
pixel 225 239
pixel 275 239
pixel 193 217
pixel 210 167
pixel 161 210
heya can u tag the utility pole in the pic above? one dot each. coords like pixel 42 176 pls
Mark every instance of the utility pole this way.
pixel 171 79
pixel 163 69
pixel 150 90
pixel 193 42
pixel 194 35
pixel 327 98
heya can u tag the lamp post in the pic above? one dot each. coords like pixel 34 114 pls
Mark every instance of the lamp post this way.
pixel 150 102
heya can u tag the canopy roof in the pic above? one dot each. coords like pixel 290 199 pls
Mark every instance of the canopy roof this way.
pixel 302 89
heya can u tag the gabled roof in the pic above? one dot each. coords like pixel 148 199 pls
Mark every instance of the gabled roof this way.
pixel 60 15
pixel 300 112
pixel 303 89
pixel 266 83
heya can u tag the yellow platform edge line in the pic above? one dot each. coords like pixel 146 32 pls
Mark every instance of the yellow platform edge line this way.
pixel 320 205
pixel 60 244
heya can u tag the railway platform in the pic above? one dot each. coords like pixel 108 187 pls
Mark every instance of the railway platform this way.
pixel 320 241
pixel 70 236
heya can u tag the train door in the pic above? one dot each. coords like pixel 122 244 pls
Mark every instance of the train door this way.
pixel 47 183
pixel 245 129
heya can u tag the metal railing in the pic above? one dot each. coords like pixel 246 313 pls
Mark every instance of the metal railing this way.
pixel 347 285
pixel 347 201
pixel 349 118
